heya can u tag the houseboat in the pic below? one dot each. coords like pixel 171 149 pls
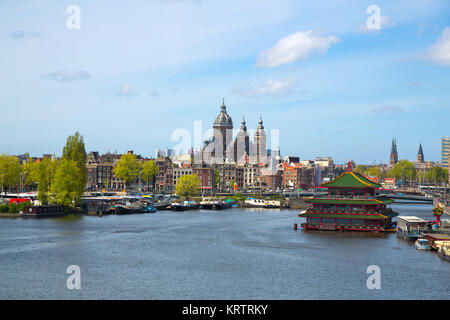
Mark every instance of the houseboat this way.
pixel 214 204
pixel 411 227
pixel 43 211
pixel 134 209
pixel 184 206
pixel 350 204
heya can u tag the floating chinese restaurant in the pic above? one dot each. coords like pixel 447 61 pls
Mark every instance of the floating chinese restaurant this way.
pixel 350 205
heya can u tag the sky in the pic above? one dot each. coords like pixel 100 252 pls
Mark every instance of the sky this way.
pixel 131 74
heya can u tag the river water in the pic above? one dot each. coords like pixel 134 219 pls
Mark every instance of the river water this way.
pixel 233 254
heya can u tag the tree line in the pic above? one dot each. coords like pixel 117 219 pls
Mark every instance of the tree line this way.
pixel 59 181
pixel 406 171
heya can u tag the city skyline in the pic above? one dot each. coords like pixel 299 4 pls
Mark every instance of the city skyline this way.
pixel 315 72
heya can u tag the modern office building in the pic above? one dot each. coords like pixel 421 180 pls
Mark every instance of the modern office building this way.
pixel 445 151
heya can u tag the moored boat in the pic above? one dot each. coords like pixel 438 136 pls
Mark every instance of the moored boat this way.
pixel 184 206
pixel 262 203
pixel 443 248
pixel 422 244
pixel 43 211
pixel 215 204
pixel 410 227
pixel 134 209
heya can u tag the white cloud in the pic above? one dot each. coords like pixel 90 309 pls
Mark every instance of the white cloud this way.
pixel 127 92
pixel 295 47
pixel 439 52
pixel 67 76
pixel 20 34
pixel 275 88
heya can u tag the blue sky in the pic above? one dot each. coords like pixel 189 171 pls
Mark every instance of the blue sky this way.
pixel 136 71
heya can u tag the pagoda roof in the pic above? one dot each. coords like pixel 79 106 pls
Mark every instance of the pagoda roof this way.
pixel 351 179
pixel 349 201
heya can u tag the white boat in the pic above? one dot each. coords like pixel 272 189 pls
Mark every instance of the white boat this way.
pixel 422 244
pixel 262 203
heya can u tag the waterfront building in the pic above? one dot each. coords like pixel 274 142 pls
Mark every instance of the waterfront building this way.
pixel 179 171
pixel 164 178
pixel 291 174
pixel 306 177
pixel 207 178
pixel 100 171
pixel 350 204
pixel 394 154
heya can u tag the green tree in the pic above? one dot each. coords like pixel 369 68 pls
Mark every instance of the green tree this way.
pixel 43 184
pixel 403 170
pixel 69 175
pixel 149 170
pixel 361 168
pixel 10 171
pixel 437 175
pixel 75 150
pixel 188 186
pixel 30 170
pixel 127 168
pixel 68 186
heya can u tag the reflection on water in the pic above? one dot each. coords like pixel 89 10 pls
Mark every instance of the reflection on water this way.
pixel 233 254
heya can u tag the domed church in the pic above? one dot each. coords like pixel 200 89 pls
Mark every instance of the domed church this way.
pixel 222 148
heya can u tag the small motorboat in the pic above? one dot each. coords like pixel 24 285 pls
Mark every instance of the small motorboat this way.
pixel 422 244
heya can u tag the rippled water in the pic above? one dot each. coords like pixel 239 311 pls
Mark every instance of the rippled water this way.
pixel 234 254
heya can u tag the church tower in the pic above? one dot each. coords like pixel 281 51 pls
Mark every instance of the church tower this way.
pixel 420 157
pixel 223 132
pixel 242 142
pixel 260 142
pixel 394 154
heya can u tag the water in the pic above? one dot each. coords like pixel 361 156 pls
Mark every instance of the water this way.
pixel 234 254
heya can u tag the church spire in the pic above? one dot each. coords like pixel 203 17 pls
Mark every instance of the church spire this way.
pixel 394 154
pixel 420 157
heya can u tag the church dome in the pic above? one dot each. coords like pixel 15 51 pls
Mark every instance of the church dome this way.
pixel 223 119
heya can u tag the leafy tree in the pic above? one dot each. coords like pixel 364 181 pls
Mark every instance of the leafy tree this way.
pixel 68 183
pixel 75 150
pixel 437 174
pixel 127 168
pixel 43 184
pixel 188 185
pixel 30 169
pixel 361 168
pixel 10 170
pixel 403 169
pixel 69 175
pixel 149 170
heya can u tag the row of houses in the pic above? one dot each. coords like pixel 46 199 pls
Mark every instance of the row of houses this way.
pixel 274 174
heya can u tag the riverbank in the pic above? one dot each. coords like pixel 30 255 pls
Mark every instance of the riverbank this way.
pixel 9 215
